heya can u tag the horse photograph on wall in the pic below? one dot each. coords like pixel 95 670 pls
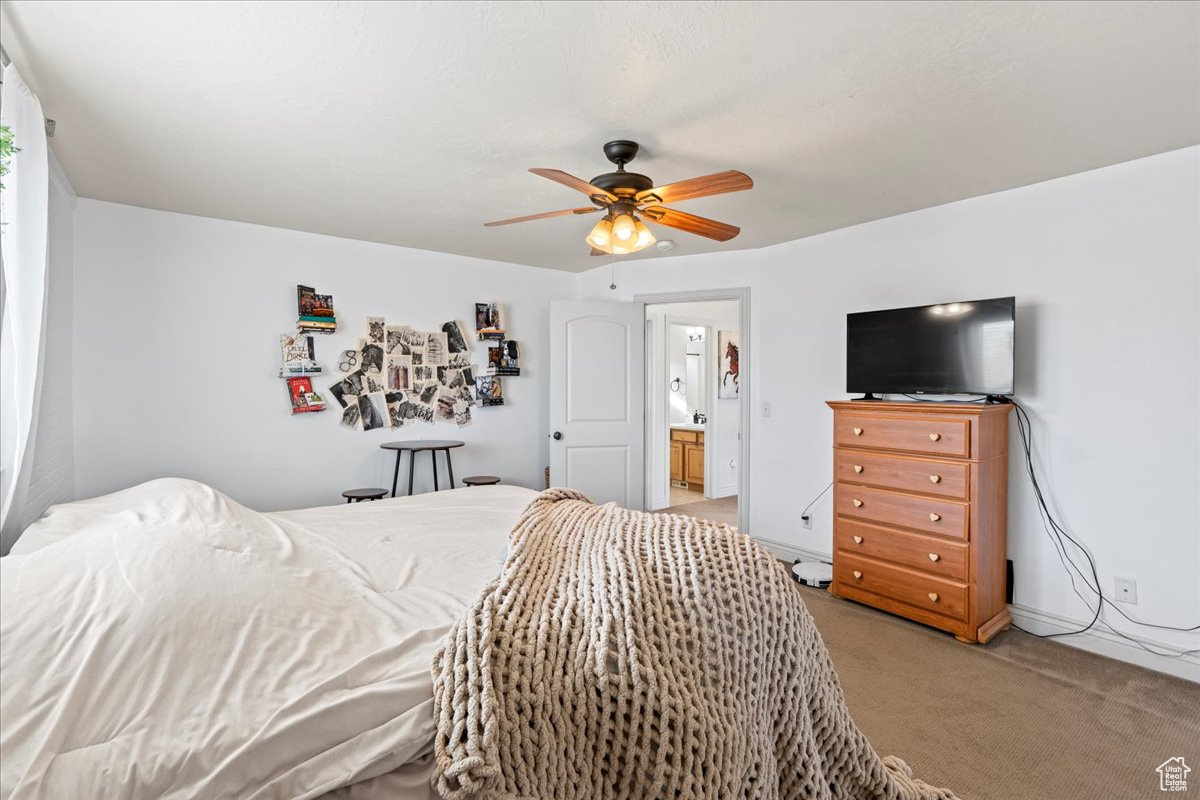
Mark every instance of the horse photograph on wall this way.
pixel 727 364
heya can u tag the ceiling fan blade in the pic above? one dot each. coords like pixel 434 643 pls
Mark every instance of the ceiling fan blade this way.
pixel 700 226
pixel 596 252
pixel 562 213
pixel 578 184
pixel 717 183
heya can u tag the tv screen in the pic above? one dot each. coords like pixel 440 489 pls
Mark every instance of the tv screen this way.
pixel 949 348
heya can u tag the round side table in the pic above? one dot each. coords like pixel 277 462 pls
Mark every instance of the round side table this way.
pixel 417 446
pixel 358 495
pixel 481 480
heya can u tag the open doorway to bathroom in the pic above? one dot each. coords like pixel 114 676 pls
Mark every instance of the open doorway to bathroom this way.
pixel 693 408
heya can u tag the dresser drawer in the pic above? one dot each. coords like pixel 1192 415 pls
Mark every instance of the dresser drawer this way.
pixel 914 434
pixel 944 478
pixel 932 554
pixel 905 585
pixel 945 517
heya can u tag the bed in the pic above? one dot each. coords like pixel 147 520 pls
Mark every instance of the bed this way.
pixel 164 641
pixel 490 642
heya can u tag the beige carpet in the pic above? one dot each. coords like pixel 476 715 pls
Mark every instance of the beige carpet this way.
pixel 723 510
pixel 1017 718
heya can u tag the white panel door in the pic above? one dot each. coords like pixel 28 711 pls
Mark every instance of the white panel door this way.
pixel 597 399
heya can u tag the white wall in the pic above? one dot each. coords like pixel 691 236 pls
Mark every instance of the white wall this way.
pixel 177 323
pixel 680 403
pixel 1105 266
pixel 722 446
pixel 52 475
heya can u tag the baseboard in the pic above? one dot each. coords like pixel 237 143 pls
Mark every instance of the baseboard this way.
pixel 723 491
pixel 1100 641
pixel 789 552
pixel 1106 643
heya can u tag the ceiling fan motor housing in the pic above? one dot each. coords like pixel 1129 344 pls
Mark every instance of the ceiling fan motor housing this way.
pixel 622 183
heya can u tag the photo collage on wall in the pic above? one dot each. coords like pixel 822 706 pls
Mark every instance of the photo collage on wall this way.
pixel 397 375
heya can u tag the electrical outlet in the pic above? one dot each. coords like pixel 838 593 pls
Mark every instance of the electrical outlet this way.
pixel 1126 591
pixel 806 520
pixel 766 408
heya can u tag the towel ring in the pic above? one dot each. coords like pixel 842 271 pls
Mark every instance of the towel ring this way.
pixel 676 384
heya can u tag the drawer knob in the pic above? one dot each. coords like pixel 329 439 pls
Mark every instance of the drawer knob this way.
pixel 934 557
pixel 933 596
pixel 935 478
pixel 858 431
pixel 857 503
pixel 857 574
pixel 934 517
pixel 933 437
pixel 858 540
pixel 858 467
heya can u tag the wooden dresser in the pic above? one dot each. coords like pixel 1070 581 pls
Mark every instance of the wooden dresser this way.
pixel 920 512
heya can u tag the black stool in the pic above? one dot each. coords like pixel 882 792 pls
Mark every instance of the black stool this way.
pixel 481 480
pixel 358 495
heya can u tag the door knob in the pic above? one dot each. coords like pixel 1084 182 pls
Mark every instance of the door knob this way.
pixel 557 435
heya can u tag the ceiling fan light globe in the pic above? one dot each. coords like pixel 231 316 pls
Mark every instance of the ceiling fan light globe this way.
pixel 623 228
pixel 601 235
pixel 644 237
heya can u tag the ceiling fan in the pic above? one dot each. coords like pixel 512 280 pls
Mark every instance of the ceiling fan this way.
pixel 627 197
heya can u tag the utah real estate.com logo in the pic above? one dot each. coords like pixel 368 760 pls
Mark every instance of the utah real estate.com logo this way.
pixel 1173 775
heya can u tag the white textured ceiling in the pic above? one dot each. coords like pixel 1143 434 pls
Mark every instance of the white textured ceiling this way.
pixel 413 123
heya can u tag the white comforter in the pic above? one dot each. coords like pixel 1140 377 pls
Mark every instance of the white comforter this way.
pixel 167 642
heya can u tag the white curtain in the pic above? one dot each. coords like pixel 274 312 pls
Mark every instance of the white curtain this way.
pixel 24 224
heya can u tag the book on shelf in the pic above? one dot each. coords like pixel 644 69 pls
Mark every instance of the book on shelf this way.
pixel 303 398
pixel 488 390
pixel 504 359
pixel 311 304
pixel 299 356
pixel 488 324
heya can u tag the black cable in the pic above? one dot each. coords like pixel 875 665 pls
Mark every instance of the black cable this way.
pixel 815 499
pixel 1026 426
pixel 1057 533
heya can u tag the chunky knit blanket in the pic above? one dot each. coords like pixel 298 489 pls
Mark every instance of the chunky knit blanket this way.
pixel 642 656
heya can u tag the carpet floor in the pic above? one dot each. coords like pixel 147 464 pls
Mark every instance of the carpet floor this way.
pixel 1020 717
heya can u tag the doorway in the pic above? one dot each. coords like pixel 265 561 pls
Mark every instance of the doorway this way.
pixel 694 408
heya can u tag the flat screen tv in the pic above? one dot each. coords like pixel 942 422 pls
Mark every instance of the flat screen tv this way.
pixel 949 348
